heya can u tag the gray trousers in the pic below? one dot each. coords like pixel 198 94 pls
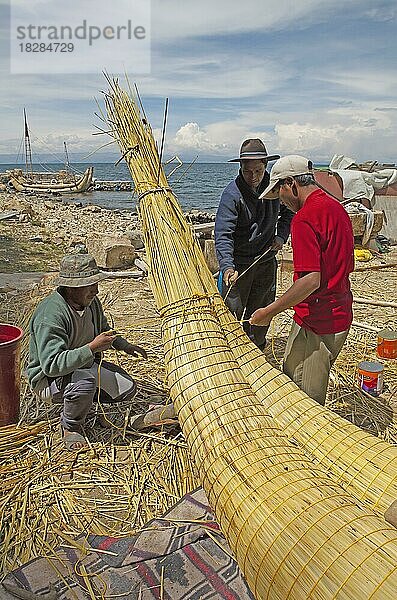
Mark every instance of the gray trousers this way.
pixel 77 391
pixel 255 289
pixel 308 359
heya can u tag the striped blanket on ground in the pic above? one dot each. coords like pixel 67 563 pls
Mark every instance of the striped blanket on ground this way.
pixel 182 556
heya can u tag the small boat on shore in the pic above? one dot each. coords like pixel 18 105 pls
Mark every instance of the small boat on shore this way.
pixel 63 182
pixel 22 183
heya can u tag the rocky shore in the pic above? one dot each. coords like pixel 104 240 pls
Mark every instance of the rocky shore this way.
pixel 35 231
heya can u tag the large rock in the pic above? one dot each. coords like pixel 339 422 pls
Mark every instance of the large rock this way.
pixel 111 252
pixel 135 236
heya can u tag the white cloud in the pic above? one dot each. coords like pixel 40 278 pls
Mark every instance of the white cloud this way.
pixel 188 18
pixel 307 138
pixel 80 141
pixel 382 14
pixel 361 131
pixel 222 75
pixel 368 81
pixel 221 139
pixel 76 142
pixel 192 137
pixel 45 89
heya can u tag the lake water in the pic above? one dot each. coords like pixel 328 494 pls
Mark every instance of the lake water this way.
pixel 197 187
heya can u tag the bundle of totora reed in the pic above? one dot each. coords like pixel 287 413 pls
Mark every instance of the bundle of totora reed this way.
pixel 295 532
pixel 366 465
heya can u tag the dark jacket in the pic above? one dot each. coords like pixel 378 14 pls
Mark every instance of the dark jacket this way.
pixel 245 228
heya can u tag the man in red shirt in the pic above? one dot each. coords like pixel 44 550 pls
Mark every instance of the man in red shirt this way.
pixel 323 254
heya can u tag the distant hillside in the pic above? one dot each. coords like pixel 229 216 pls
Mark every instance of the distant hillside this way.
pixel 51 158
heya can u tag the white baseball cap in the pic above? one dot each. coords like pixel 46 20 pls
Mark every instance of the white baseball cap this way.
pixel 288 166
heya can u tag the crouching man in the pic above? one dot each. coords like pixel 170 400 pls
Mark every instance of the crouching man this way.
pixel 68 331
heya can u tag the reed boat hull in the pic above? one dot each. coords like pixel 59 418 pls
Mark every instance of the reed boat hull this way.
pixel 21 184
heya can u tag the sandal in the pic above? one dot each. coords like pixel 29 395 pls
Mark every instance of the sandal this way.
pixel 156 416
pixel 71 439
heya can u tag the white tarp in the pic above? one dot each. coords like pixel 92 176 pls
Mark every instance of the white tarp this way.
pixel 360 184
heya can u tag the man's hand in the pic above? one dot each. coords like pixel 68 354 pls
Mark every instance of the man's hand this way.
pixel 135 351
pixel 230 277
pixel 102 342
pixel 277 244
pixel 261 317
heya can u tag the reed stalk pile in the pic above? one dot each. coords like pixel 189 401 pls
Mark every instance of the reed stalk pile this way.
pixel 49 496
pixel 294 530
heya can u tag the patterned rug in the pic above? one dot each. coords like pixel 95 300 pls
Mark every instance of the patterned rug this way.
pixel 182 556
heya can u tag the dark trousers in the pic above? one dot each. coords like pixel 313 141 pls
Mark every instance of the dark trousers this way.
pixel 78 390
pixel 253 290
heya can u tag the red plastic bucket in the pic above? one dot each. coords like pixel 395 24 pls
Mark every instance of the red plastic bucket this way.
pixel 10 369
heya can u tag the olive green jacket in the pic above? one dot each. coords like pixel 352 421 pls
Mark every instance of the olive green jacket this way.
pixel 50 334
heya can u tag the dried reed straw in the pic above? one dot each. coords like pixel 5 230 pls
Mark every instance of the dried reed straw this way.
pixel 294 531
pixel 48 496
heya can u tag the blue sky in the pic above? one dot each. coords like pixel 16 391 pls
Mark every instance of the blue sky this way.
pixel 307 76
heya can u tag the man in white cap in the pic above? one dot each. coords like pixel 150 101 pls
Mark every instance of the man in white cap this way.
pixel 248 234
pixel 323 255
pixel 68 333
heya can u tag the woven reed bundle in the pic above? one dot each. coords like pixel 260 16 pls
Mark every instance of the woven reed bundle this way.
pixel 365 464
pixel 288 523
pixel 294 531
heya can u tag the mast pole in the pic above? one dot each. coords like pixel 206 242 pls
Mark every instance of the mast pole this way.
pixel 28 148
pixel 67 162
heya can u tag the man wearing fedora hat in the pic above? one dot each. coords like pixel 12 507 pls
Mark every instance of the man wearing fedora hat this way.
pixel 68 333
pixel 248 234
pixel 323 255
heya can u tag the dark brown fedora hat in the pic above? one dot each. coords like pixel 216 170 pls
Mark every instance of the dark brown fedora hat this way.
pixel 254 149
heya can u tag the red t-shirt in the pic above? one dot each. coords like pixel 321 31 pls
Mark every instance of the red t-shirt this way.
pixel 322 241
